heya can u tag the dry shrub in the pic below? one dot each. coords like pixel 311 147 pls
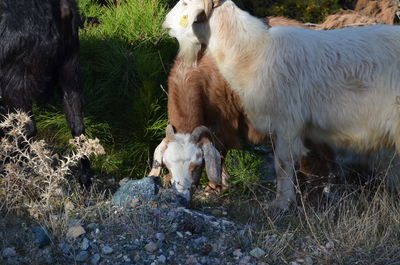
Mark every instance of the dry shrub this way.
pixel 32 175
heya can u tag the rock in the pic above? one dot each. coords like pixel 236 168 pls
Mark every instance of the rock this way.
pixel 85 244
pixel 160 236
pixel 245 260
pixel 75 231
pixel 82 256
pixel 162 259
pixel 237 253
pixel 74 222
pixel 94 260
pixel 191 260
pixel 144 188
pixel 65 248
pixel 41 236
pixel 330 245
pixel 257 253
pixel 91 227
pixel 179 234
pixel 9 252
pixel 308 260
pixel 106 250
pixel 294 263
pixel 151 247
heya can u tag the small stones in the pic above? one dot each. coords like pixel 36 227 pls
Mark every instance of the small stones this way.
pixel 257 253
pixel 160 236
pixel 75 231
pixel 162 259
pixel 106 250
pixel 179 234
pixel 237 253
pixel 94 260
pixel 9 252
pixel 308 260
pixel 84 244
pixel 151 247
pixel 41 236
pixel 330 245
pixel 245 260
pixel 82 256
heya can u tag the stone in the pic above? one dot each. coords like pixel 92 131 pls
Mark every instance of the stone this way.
pixel 75 231
pixel 106 250
pixel 82 256
pixel 308 260
pixel 9 252
pixel 94 260
pixel 245 260
pixel 191 260
pixel 41 236
pixel 294 263
pixel 85 244
pixel 237 253
pixel 91 227
pixel 160 236
pixel 144 188
pixel 65 248
pixel 151 247
pixel 257 253
pixel 162 259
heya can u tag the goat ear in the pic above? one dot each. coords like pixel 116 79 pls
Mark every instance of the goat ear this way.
pixel 212 160
pixel 158 158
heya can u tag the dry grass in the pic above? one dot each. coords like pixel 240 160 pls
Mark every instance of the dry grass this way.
pixel 33 178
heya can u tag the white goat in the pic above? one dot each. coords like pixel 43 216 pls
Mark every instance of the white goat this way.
pixel 340 86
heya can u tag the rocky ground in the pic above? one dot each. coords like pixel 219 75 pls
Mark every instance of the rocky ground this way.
pixel 143 228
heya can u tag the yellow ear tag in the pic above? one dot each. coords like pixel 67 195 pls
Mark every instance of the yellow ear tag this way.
pixel 184 21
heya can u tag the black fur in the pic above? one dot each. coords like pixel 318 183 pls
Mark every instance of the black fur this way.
pixel 39 53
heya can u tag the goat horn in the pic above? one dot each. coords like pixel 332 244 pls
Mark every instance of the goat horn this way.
pixel 199 132
pixel 170 133
pixel 208 5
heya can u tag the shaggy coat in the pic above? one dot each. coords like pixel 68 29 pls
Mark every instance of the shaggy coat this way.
pixel 39 53
pixel 340 87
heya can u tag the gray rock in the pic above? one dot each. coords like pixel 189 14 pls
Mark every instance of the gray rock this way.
pixel 151 247
pixel 237 253
pixel 94 260
pixel 41 236
pixel 106 250
pixel 308 260
pixel 160 236
pixel 85 244
pixel 82 256
pixel 9 252
pixel 144 188
pixel 257 253
pixel 245 260
pixel 65 248
pixel 91 227
pixel 162 259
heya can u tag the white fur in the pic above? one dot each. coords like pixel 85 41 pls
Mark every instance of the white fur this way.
pixel 340 86
pixel 177 157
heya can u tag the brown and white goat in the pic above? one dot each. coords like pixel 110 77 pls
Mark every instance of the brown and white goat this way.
pixel 205 118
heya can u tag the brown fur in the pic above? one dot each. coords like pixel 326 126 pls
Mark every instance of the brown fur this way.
pixel 200 96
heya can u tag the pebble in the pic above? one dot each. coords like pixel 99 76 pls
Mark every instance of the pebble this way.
pixel 245 260
pixel 41 236
pixel 151 247
pixel 85 244
pixel 171 253
pixel 237 253
pixel 126 258
pixel 106 250
pixel 75 231
pixel 95 259
pixel 82 256
pixel 257 253
pixel 162 259
pixel 91 227
pixel 294 263
pixel 65 248
pixel 191 260
pixel 330 244
pixel 308 260
pixel 160 236
pixel 179 234
pixel 9 252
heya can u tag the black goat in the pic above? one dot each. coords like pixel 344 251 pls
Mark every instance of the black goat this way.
pixel 39 52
